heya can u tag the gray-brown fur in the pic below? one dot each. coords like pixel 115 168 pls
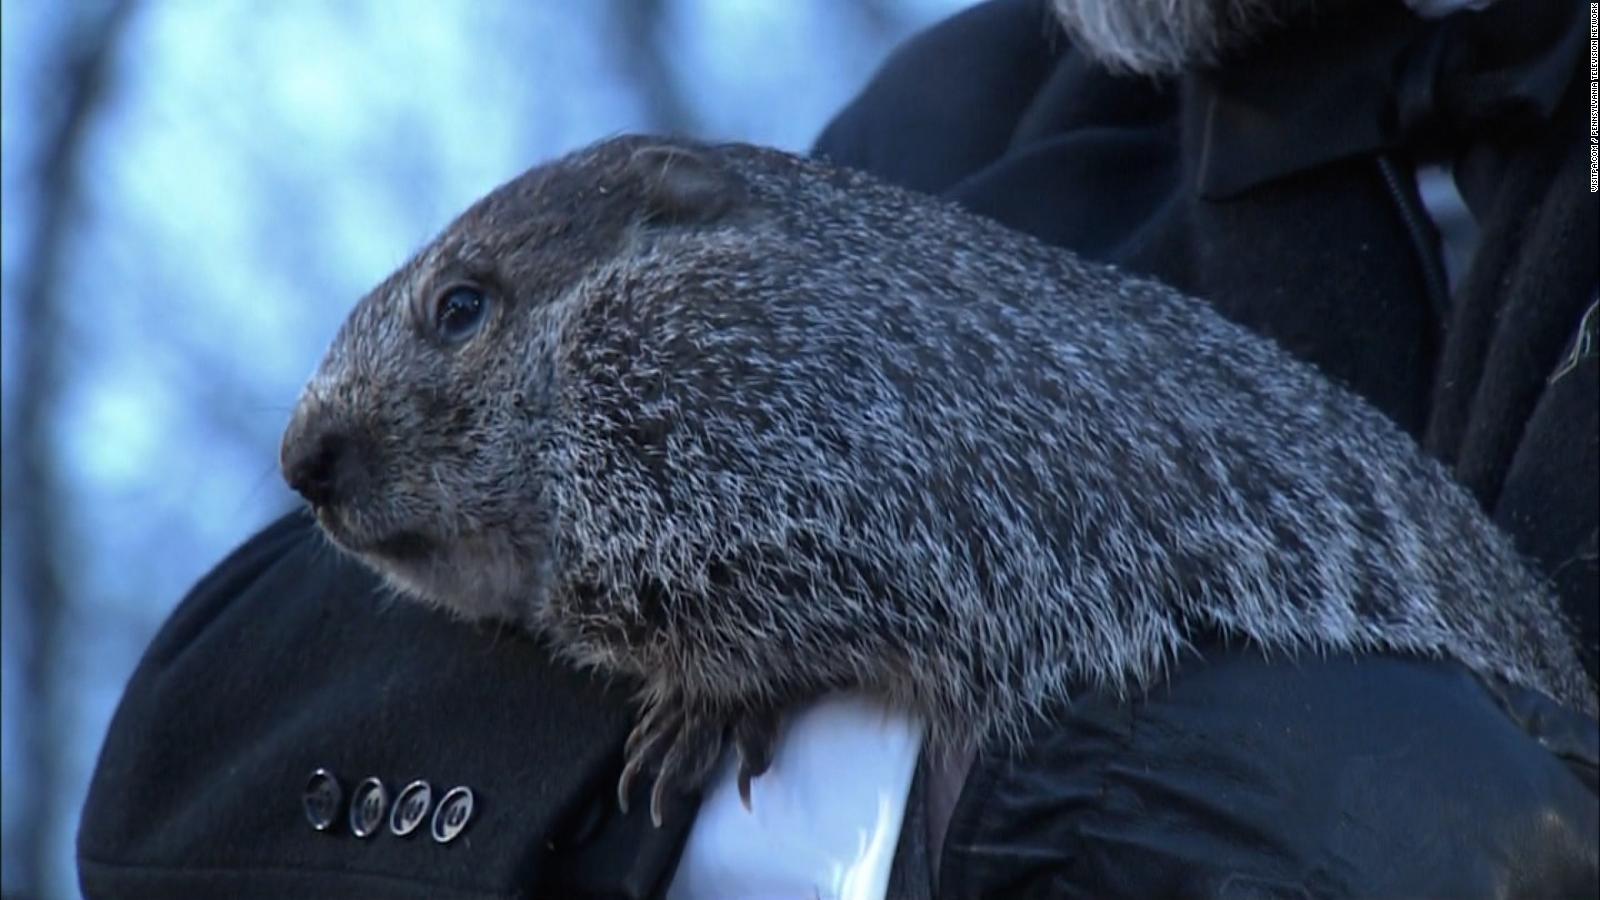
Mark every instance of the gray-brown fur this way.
pixel 750 428
pixel 1164 37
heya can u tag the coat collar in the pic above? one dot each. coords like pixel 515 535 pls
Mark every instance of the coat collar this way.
pixel 1381 81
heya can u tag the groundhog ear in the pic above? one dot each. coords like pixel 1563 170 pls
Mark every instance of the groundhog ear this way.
pixel 683 186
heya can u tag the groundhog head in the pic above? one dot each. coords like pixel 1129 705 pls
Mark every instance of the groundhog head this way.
pixel 424 440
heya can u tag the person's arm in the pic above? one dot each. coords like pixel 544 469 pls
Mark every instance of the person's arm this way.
pixel 289 658
pixel 948 100
pixel 1339 776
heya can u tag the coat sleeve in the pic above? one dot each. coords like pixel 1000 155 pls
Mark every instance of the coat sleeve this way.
pixel 289 658
pixel 948 100
pixel 1332 778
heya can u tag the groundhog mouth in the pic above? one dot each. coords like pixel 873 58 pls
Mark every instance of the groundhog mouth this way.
pixel 402 546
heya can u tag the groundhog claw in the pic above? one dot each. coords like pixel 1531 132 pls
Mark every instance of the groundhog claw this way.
pixel 687 743
pixel 659 721
pixel 689 759
pixel 754 737
pixel 683 744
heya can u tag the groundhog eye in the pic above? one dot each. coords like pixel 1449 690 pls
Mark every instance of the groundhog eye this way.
pixel 458 312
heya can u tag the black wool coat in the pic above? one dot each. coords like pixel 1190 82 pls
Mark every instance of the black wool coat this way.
pixel 1278 188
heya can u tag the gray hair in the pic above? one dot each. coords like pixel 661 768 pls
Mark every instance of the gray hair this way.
pixel 1163 37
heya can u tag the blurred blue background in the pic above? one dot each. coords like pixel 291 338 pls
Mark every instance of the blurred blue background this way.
pixel 196 192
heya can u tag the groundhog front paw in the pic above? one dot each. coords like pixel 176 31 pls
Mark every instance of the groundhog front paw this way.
pixel 755 735
pixel 684 741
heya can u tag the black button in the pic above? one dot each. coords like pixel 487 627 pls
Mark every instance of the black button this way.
pixel 454 811
pixel 367 806
pixel 410 808
pixel 321 799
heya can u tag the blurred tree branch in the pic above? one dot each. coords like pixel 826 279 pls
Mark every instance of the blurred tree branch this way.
pixel 883 20
pixel 642 51
pixel 37 539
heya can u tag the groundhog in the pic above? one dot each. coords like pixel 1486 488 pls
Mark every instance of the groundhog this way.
pixel 749 428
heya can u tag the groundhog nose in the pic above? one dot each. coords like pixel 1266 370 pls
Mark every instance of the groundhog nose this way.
pixel 323 467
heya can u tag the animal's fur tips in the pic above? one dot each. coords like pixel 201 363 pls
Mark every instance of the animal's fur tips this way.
pixel 751 428
pixel 1163 37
